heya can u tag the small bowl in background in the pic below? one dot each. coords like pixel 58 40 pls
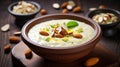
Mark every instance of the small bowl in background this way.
pixel 20 19
pixel 108 29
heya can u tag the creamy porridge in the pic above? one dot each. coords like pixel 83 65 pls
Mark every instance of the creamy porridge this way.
pixel 61 33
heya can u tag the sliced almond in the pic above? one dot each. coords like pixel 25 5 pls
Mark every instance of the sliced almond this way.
pixel 63 31
pixel 69 7
pixel 100 19
pixel 56 5
pixel 17 33
pixel 72 3
pixel 91 9
pixel 5 27
pixel 77 35
pixel 43 33
pixel 58 35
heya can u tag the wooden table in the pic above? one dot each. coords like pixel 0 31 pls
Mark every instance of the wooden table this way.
pixel 112 44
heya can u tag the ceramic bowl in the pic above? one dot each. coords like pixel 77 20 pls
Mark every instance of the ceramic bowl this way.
pixel 24 16
pixel 109 30
pixel 66 54
pixel 98 11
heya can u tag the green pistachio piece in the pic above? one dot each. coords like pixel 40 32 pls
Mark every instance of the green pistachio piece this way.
pixel 65 39
pixel 55 25
pixel 48 39
pixel 79 30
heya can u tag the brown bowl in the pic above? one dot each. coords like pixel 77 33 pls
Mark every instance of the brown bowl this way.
pixel 65 54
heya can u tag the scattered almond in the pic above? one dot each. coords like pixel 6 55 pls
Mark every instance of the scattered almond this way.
pixel 64 5
pixel 101 7
pixel 56 5
pixel 69 7
pixel 77 35
pixel 76 9
pixel 64 11
pixel 44 33
pixel 14 39
pixel 28 54
pixel 91 61
pixel 91 9
pixel 72 3
pixel 7 48
pixel 17 33
pixel 43 11
pixel 5 27
pixel 58 35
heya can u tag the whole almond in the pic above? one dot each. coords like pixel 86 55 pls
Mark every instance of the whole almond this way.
pixel 76 9
pixel 44 33
pixel 58 35
pixel 77 35
pixel 64 4
pixel 7 48
pixel 101 7
pixel 14 39
pixel 28 54
pixel 43 11
pixel 91 61
pixel 64 11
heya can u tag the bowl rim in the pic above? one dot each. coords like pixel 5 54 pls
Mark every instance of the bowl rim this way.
pixel 32 2
pixel 106 9
pixel 97 32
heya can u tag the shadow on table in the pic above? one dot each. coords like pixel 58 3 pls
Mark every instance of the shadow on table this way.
pixel 20 22
pixel 113 32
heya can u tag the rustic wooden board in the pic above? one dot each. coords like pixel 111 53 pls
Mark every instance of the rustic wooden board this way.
pixel 106 58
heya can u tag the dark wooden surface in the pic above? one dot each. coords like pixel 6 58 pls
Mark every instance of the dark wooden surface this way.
pixel 112 43
pixel 106 57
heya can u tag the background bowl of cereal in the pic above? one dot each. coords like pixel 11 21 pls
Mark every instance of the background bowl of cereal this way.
pixel 24 10
pixel 61 37
pixel 108 19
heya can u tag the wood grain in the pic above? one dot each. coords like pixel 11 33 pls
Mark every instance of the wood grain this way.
pixel 112 43
pixel 18 52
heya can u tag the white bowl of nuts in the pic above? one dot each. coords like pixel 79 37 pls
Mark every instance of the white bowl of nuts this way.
pixel 24 9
